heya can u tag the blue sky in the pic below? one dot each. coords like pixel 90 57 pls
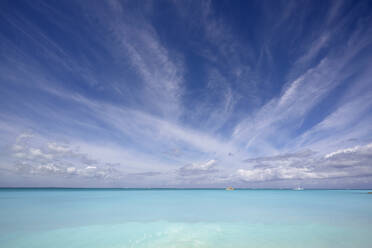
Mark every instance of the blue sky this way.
pixel 186 93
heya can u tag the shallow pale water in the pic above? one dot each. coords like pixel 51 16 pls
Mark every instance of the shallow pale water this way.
pixel 184 218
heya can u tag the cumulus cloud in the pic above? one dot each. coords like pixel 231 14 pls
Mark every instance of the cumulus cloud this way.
pixel 198 168
pixel 34 156
pixel 58 148
pixel 348 162
pixel 280 172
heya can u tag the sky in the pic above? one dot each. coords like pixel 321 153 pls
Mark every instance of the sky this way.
pixel 257 94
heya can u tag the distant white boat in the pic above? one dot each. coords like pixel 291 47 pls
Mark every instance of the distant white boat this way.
pixel 298 188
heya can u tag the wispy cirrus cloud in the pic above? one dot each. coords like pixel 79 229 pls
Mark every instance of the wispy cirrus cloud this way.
pixel 117 92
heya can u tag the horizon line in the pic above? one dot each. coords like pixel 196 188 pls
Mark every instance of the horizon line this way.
pixel 181 188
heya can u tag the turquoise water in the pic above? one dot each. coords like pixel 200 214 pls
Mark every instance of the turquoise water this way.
pixel 184 218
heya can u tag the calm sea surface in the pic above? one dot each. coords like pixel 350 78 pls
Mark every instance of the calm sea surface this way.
pixel 122 218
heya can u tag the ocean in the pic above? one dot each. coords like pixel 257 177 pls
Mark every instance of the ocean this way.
pixel 184 218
